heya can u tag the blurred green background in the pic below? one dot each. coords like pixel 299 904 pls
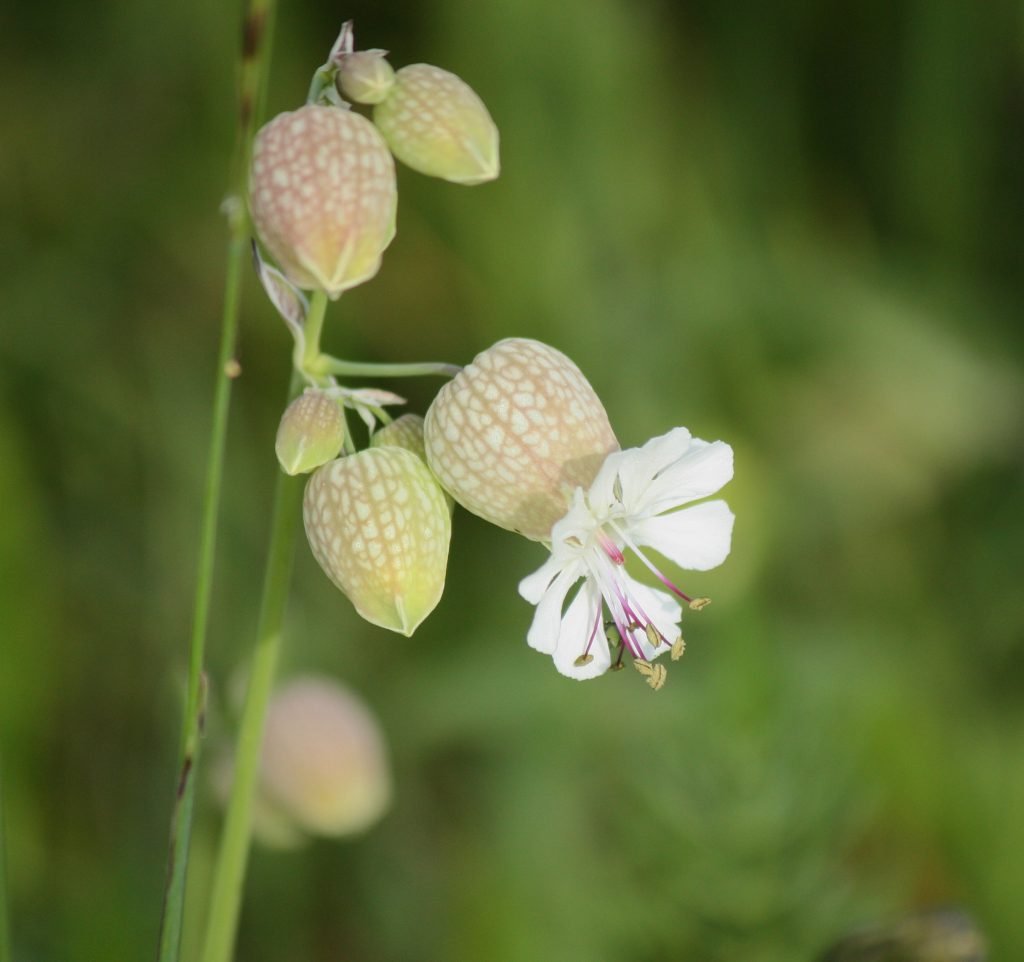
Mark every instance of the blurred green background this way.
pixel 795 226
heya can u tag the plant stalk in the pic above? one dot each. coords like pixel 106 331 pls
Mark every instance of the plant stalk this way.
pixel 232 857
pixel 254 69
pixel 5 932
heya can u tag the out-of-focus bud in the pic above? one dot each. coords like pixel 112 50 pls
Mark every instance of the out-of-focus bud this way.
pixel 365 77
pixel 323 760
pixel 323 196
pixel 311 433
pixel 323 765
pixel 406 432
pixel 378 525
pixel 515 433
pixel 437 125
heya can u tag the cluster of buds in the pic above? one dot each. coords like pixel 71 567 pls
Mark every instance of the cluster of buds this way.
pixel 323 200
pixel 518 437
pixel 322 190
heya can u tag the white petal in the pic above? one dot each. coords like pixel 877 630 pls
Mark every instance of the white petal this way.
pixel 700 472
pixel 577 626
pixel 547 619
pixel 698 538
pixel 572 529
pixel 661 608
pixel 625 476
pixel 533 586
pixel 636 478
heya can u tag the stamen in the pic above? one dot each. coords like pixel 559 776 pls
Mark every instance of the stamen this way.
pixel 593 631
pixel 610 548
pixel 621 612
pixel 653 635
pixel 583 660
pixel 699 604
pixel 654 673
pixel 678 647
pixel 651 566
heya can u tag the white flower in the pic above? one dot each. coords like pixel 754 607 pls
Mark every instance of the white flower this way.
pixel 630 506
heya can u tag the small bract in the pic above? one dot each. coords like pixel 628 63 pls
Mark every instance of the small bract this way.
pixel 515 433
pixel 323 196
pixel 437 125
pixel 378 525
pixel 311 433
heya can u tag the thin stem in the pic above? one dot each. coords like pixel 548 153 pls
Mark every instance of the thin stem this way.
pixel 255 57
pixel 5 933
pixel 232 857
pixel 324 364
pixel 312 329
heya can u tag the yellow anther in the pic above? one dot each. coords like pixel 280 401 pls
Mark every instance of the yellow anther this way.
pixel 653 635
pixel 699 604
pixel 678 647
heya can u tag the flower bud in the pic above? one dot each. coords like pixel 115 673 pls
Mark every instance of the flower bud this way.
pixel 323 765
pixel 323 196
pixel 515 433
pixel 437 125
pixel 378 525
pixel 406 432
pixel 311 433
pixel 365 77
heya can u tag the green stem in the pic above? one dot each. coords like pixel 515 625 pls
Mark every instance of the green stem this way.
pixel 323 364
pixel 5 934
pixel 258 29
pixel 232 857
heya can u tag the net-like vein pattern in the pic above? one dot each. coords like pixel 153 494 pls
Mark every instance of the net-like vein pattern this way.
pixel 378 525
pixel 323 197
pixel 515 433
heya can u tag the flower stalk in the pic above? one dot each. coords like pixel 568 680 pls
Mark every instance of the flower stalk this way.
pixel 323 365
pixel 232 857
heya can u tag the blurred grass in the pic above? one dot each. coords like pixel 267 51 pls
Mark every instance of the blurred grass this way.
pixel 796 227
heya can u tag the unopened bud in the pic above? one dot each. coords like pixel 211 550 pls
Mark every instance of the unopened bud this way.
pixel 436 124
pixel 404 432
pixel 407 432
pixel 311 433
pixel 378 525
pixel 515 433
pixel 365 77
pixel 323 762
pixel 323 196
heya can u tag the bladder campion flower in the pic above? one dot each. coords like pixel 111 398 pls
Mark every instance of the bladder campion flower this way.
pixel 379 526
pixel 631 505
pixel 437 125
pixel 515 433
pixel 323 196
